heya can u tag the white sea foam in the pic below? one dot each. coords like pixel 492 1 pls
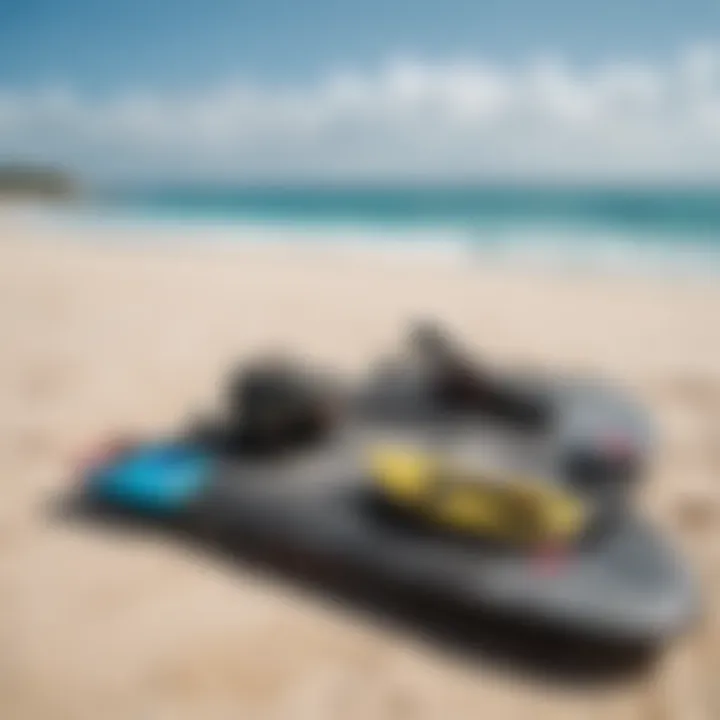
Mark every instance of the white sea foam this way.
pixel 522 245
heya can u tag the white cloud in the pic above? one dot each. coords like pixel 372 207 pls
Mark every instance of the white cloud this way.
pixel 409 119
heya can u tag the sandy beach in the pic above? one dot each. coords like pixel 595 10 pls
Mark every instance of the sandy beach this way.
pixel 100 336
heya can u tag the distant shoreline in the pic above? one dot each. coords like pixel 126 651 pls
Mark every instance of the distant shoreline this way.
pixel 30 181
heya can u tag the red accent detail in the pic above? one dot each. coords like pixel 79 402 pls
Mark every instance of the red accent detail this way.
pixel 551 559
pixel 617 446
pixel 104 453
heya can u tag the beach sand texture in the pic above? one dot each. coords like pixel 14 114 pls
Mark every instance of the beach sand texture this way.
pixel 100 337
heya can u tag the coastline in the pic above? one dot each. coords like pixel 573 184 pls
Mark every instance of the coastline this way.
pixel 554 248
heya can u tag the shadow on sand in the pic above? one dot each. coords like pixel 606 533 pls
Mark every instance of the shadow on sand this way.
pixel 534 652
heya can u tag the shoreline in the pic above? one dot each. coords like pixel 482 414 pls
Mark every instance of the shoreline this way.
pixel 548 252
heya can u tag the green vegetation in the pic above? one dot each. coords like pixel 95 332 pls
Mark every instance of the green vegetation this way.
pixel 26 181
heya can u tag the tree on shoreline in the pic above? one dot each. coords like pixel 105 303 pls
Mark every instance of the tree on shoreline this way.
pixel 18 180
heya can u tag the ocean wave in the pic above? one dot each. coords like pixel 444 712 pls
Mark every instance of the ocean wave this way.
pixel 597 250
pixel 569 246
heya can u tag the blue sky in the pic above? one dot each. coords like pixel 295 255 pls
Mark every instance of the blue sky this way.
pixel 616 90
pixel 105 44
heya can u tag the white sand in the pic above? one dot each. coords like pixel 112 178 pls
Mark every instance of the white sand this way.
pixel 97 337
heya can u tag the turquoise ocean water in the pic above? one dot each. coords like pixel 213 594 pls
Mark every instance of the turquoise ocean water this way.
pixel 666 230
